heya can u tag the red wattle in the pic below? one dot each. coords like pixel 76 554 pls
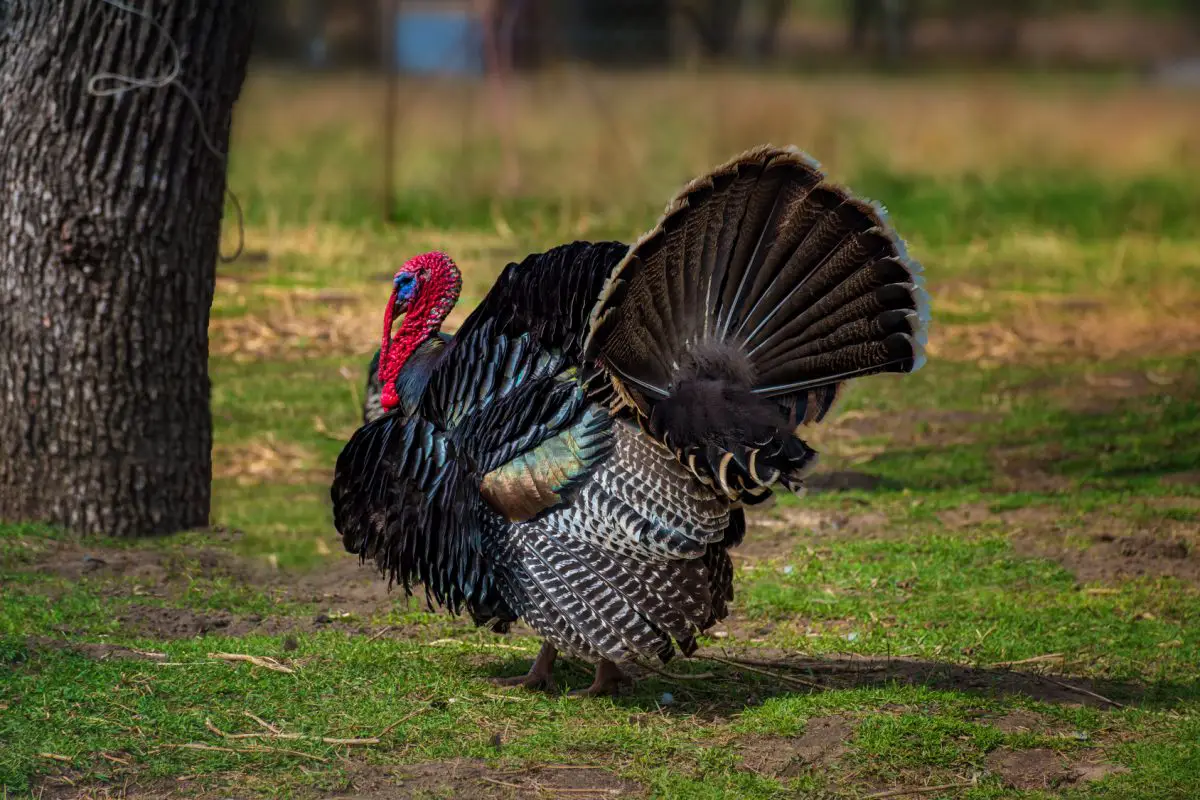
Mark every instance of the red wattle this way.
pixel 387 378
pixel 389 399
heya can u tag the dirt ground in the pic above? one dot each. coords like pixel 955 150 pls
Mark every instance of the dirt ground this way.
pixel 823 742
pixel 1098 547
pixel 461 779
pixel 1044 769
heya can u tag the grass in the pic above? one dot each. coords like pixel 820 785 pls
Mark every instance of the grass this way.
pixel 1031 496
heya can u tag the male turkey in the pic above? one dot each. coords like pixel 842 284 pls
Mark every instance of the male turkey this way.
pixel 579 454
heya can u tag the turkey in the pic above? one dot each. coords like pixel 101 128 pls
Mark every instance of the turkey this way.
pixel 581 452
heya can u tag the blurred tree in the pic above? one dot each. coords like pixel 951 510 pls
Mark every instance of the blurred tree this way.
pixel 891 19
pixel 618 32
pixel 273 36
pixel 721 18
pixel 774 15
pixel 109 227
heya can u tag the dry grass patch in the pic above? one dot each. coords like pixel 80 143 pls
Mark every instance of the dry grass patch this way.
pixel 582 135
pixel 267 460
pixel 303 323
pixel 1137 299
pixel 1057 329
pixel 291 321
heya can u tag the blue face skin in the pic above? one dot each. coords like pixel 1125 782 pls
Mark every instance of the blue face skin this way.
pixel 406 286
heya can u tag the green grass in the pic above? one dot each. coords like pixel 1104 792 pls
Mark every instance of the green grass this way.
pixel 893 608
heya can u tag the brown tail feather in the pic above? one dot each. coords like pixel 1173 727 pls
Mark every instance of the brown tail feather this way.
pixel 761 290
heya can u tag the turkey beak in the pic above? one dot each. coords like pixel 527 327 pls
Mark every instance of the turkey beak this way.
pixel 399 306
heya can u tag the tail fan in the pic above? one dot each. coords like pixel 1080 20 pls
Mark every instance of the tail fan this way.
pixel 760 292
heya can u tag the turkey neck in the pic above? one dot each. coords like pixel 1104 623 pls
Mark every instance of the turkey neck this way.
pixel 424 319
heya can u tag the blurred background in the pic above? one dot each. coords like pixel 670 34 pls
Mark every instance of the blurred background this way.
pixel 1040 158
pixel 813 33
pixel 578 101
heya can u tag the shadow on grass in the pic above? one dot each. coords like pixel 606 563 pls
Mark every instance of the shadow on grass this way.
pixel 712 685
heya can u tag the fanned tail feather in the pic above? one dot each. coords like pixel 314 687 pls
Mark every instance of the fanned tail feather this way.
pixel 763 288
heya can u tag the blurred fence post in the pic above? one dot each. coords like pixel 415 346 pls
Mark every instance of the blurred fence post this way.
pixel 390 103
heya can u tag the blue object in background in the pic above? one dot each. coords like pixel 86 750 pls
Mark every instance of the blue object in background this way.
pixel 445 41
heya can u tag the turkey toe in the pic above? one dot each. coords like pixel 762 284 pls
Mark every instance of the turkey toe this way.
pixel 531 680
pixel 540 675
pixel 608 681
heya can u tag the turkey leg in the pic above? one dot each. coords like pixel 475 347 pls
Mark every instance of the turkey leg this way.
pixel 540 675
pixel 608 680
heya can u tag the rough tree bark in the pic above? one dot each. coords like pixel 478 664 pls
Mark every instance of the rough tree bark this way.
pixel 110 211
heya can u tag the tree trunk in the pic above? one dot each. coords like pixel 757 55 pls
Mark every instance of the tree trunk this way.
pixel 110 211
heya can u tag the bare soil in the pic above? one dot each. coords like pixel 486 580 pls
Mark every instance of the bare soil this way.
pixel 823 742
pixel 1099 548
pixel 342 595
pixel 777 533
pixel 1028 468
pixel 1182 478
pixel 342 583
pixel 462 779
pixel 1022 721
pixel 1043 769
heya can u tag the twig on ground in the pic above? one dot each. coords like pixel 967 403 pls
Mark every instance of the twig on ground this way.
pixel 400 722
pixel 360 742
pixel 507 698
pixel 484 645
pixel 114 759
pixel 266 662
pixel 503 783
pixel 1034 660
pixel 385 629
pixel 151 654
pixel 699 676
pixel 56 757
pixel 198 746
pixel 768 673
pixel 262 722
pixel 1082 690
pixel 756 661
pixel 277 734
pixel 252 749
pixel 556 790
pixel 919 790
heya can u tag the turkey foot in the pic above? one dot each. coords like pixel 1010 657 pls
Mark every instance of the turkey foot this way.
pixel 540 675
pixel 607 681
